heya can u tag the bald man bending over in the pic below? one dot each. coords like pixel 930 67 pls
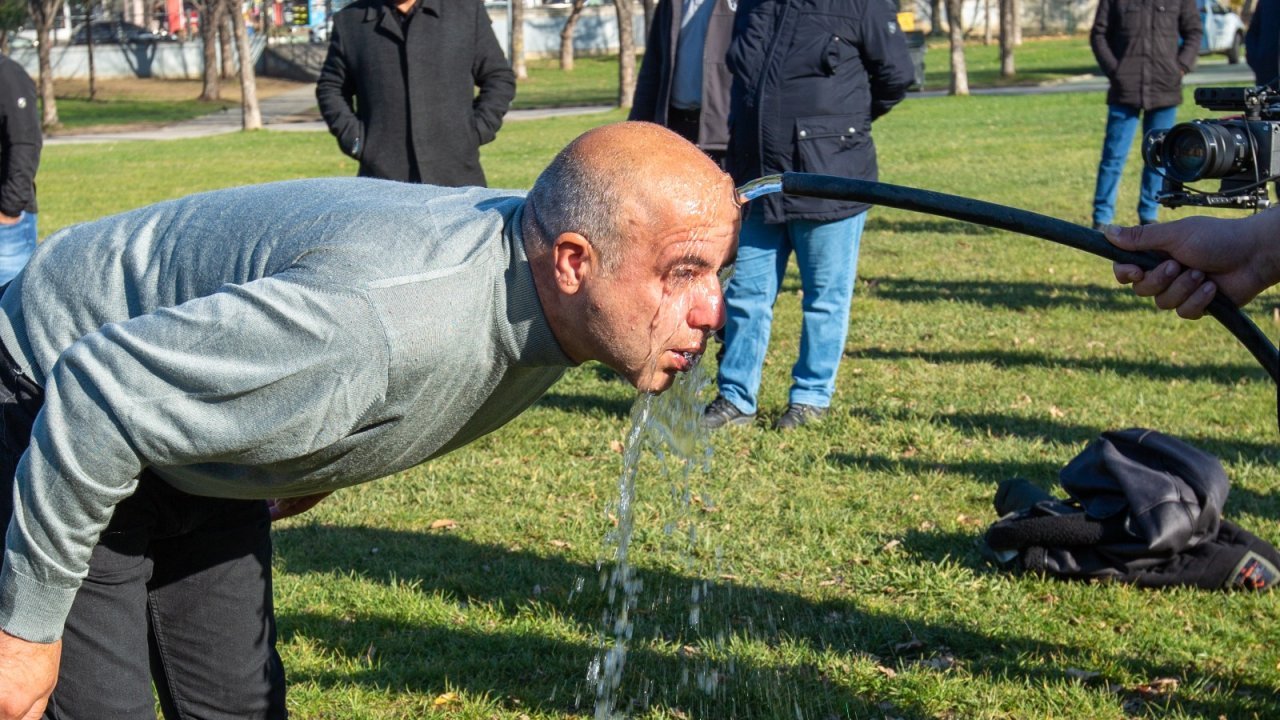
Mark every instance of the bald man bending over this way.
pixel 167 371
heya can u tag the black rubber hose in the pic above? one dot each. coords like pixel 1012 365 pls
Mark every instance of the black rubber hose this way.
pixel 1026 223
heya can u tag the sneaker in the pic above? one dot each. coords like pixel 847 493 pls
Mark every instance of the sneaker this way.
pixel 797 415
pixel 721 412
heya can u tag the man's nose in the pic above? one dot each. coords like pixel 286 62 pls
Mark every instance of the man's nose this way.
pixel 707 312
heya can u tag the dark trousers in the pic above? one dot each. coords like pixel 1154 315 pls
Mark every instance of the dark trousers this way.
pixel 178 593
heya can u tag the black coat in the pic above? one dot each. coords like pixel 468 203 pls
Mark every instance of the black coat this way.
pixel 406 108
pixel 1136 45
pixel 653 84
pixel 809 76
pixel 1262 42
pixel 20 139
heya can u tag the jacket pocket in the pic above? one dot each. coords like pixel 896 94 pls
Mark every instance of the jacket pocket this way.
pixel 827 143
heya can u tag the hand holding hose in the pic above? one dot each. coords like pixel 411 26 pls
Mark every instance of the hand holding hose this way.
pixel 1238 257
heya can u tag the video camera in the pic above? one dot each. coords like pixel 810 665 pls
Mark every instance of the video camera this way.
pixel 1244 152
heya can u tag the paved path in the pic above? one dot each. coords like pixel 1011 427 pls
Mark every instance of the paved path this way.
pixel 295 110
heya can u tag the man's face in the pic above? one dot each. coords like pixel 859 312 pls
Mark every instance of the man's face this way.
pixel 652 314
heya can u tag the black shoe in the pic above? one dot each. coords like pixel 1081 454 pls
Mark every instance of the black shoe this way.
pixel 1152 221
pixel 1100 227
pixel 797 415
pixel 721 412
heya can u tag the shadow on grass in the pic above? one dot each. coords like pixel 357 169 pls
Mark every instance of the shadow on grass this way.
pixel 540 673
pixel 1223 374
pixel 939 226
pixel 1003 293
pixel 985 426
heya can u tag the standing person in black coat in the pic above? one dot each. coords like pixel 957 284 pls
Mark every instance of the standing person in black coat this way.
pixel 684 80
pixel 1136 43
pixel 809 76
pixel 1262 43
pixel 398 88
pixel 20 144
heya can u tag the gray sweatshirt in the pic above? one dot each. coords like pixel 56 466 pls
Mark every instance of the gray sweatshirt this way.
pixel 266 341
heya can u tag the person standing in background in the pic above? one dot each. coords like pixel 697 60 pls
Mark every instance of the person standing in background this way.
pixel 809 77
pixel 684 81
pixel 20 144
pixel 1144 47
pixel 1262 43
pixel 398 88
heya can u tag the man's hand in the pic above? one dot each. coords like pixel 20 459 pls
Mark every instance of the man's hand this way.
pixel 9 219
pixel 28 672
pixel 1235 256
pixel 288 507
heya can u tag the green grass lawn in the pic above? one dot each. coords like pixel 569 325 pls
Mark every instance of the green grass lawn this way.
pixel 836 568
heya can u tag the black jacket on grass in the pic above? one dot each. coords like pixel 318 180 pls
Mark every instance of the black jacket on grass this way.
pixel 809 76
pixel 1136 43
pixel 400 93
pixel 20 140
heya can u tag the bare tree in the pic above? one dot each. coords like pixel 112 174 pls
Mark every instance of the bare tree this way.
pixel 1015 22
pixel 626 54
pixel 44 12
pixel 935 17
pixel 250 113
pixel 225 53
pixel 88 38
pixel 211 90
pixel 517 40
pixel 566 35
pixel 1007 24
pixel 959 72
pixel 650 7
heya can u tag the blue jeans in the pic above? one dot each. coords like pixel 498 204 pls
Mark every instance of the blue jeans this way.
pixel 827 255
pixel 17 242
pixel 1121 123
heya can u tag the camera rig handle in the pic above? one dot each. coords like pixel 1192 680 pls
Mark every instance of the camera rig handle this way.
pixel 1013 220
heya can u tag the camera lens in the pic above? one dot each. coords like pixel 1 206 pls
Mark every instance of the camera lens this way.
pixel 1195 150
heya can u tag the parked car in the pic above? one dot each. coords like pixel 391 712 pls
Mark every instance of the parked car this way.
pixel 1223 31
pixel 113 31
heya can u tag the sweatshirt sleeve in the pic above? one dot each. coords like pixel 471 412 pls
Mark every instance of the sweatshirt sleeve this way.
pixel 251 374
pixel 20 139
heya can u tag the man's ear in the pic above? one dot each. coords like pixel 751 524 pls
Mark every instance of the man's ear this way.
pixel 574 260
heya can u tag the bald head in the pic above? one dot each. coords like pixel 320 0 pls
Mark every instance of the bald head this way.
pixel 617 176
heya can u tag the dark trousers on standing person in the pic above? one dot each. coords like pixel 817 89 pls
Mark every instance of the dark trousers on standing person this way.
pixel 685 123
pixel 178 592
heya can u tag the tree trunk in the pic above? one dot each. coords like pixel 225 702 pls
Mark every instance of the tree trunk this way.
pixel 517 40
pixel 649 7
pixel 224 16
pixel 44 12
pixel 566 35
pixel 935 17
pixel 626 54
pixel 986 22
pixel 88 37
pixel 1015 21
pixel 250 113
pixel 1006 38
pixel 211 90
pixel 959 73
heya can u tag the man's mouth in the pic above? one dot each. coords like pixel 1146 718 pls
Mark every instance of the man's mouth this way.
pixel 686 359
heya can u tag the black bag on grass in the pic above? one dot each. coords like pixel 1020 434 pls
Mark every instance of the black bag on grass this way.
pixel 1142 508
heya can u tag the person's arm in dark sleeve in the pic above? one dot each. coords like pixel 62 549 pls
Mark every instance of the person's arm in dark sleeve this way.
pixel 885 57
pixel 644 104
pixel 1191 31
pixel 335 92
pixel 492 74
pixel 20 140
pixel 1107 60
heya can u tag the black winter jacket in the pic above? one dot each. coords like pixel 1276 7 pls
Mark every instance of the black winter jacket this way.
pixel 20 140
pixel 809 76
pixel 406 108
pixel 1262 42
pixel 1136 45
pixel 653 84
